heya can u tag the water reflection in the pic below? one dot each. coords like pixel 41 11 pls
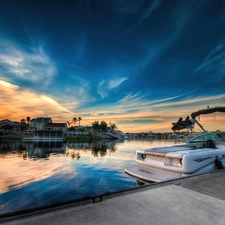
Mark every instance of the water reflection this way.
pixel 10 146
pixel 97 149
pixel 17 173
pixel 43 173
pixel 43 150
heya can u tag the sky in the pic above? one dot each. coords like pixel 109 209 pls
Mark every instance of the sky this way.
pixel 140 64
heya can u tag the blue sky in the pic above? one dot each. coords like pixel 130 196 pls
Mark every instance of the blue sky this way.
pixel 138 64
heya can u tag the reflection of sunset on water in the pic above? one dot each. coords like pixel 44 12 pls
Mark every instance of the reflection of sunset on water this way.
pixel 42 173
pixel 22 168
pixel 37 174
pixel 18 172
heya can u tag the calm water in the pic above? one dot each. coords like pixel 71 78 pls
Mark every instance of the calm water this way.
pixel 38 174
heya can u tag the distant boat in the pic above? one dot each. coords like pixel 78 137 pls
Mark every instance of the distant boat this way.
pixel 46 135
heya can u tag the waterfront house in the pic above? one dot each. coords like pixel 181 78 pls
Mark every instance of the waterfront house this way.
pixel 56 126
pixel 77 130
pixel 39 123
pixel 9 127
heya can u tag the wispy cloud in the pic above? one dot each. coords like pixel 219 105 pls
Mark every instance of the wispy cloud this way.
pixel 126 113
pixel 199 3
pixel 31 64
pixel 214 64
pixel 147 11
pixel 153 49
pixel 7 84
pixel 19 103
pixel 142 8
pixel 74 92
pixel 133 108
pixel 105 86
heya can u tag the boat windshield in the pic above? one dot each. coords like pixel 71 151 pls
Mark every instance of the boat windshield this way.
pixel 209 136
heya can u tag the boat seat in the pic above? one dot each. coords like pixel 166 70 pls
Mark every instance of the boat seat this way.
pixel 209 144
pixel 164 150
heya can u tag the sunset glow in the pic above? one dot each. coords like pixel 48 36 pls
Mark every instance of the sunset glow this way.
pixel 120 62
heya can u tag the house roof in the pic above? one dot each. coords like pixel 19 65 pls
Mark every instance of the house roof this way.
pixel 5 121
pixel 8 122
pixel 41 120
pixel 50 125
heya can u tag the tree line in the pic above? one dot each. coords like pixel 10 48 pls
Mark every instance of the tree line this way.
pixel 24 124
pixel 74 121
pixel 103 126
pixel 96 125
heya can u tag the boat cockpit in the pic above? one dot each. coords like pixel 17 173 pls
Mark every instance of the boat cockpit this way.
pixel 209 139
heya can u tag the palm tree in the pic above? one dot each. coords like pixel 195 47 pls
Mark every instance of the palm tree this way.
pixel 113 126
pixel 74 121
pixel 103 126
pixel 23 125
pixel 68 123
pixel 96 125
pixel 28 119
pixel 79 119
pixel 23 121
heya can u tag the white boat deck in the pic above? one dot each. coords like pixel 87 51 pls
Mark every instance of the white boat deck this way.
pixel 152 174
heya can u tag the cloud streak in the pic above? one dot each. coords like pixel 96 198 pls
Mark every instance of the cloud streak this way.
pixel 142 9
pixel 214 63
pixel 31 65
pixel 127 113
pixel 105 86
pixel 19 103
pixel 133 108
pixel 124 61
pixel 8 85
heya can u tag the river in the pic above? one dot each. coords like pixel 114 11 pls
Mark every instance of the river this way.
pixel 36 174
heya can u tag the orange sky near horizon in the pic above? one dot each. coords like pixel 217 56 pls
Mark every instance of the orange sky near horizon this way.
pixel 19 103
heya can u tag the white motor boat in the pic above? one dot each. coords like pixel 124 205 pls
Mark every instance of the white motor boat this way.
pixel 201 154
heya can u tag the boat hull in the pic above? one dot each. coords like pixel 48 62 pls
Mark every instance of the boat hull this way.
pixel 151 174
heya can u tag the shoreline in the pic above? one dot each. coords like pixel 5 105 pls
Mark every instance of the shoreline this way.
pixel 66 138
